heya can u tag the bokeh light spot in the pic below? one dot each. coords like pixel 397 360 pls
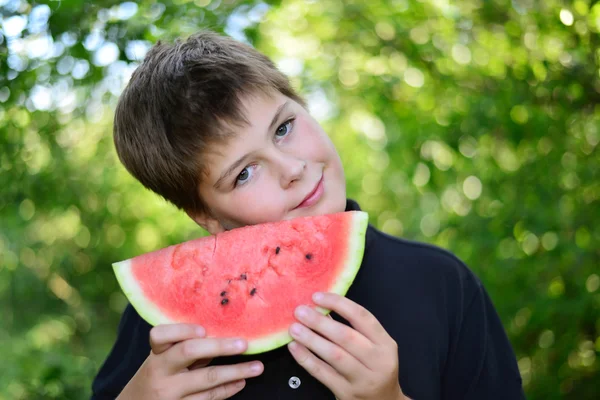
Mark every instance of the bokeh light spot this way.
pixel 525 369
pixel 115 236
pixel 592 283
pixel 546 339
pixel 13 26
pixel 348 77
pixel 126 10
pixel 83 237
pixel 147 236
pixel 522 317
pixel 467 146
pixel 385 30
pixel 519 114
pixel 393 226
pixel 26 209
pixel 419 34
pixel 566 17
pixel 530 243
pixel 422 175
pixel 430 225
pixel 371 184
pixel 472 187
pixel 506 158
pixel 106 54
pixel 461 54
pixel 549 240
pixel 27 257
pixel 60 287
pixel 556 287
pixel 582 237
pixel 414 77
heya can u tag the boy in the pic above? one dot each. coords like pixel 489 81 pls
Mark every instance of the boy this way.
pixel 212 126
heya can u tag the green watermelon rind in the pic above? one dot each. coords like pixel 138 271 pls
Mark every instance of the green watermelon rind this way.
pixel 353 259
pixel 134 293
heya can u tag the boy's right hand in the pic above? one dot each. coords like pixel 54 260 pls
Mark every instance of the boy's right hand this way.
pixel 177 366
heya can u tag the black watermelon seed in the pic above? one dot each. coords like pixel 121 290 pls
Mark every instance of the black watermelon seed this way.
pixel 277 250
pixel 308 256
pixel 224 301
pixel 223 293
pixel 243 277
pixel 253 292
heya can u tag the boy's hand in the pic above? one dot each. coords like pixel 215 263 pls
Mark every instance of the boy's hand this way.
pixel 359 363
pixel 177 366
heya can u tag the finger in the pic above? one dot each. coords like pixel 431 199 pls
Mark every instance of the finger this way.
pixel 209 378
pixel 344 363
pixel 359 317
pixel 319 369
pixel 219 393
pixel 352 341
pixel 163 337
pixel 185 353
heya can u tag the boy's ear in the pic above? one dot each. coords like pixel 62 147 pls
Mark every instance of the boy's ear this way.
pixel 211 224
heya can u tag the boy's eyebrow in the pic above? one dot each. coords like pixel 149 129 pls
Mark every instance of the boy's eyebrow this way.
pixel 241 160
pixel 230 170
pixel 276 116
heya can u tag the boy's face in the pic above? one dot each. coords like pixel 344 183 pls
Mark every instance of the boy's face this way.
pixel 279 166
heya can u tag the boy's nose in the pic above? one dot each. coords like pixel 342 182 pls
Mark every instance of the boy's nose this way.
pixel 292 169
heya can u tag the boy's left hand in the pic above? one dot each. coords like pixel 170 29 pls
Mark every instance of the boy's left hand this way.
pixel 359 363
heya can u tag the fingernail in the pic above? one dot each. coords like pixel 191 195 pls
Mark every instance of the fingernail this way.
pixel 256 367
pixel 302 312
pixel 240 384
pixel 296 329
pixel 318 296
pixel 293 346
pixel 239 344
pixel 200 331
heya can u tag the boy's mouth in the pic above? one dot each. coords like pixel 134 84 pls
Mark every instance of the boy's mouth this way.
pixel 314 195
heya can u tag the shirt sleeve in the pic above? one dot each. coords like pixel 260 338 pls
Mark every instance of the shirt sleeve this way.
pixel 482 364
pixel 125 358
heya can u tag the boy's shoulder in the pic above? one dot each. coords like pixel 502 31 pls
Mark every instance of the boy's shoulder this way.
pixel 402 260
pixel 413 251
pixel 418 264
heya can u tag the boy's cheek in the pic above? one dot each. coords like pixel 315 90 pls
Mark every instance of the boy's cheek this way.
pixel 264 201
pixel 318 146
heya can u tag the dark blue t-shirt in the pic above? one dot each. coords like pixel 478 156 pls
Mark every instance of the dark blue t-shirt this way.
pixel 451 343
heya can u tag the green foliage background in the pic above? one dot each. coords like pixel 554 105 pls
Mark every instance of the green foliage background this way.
pixel 473 125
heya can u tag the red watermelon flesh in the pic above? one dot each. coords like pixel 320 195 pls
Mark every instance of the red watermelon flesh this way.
pixel 247 282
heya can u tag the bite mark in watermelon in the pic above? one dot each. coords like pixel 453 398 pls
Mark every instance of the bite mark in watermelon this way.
pixel 247 282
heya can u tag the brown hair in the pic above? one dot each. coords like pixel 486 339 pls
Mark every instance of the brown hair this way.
pixel 176 104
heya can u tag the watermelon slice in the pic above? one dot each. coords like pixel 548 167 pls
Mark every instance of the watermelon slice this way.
pixel 247 282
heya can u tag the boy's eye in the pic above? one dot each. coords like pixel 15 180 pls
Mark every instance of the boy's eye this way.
pixel 243 176
pixel 284 129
